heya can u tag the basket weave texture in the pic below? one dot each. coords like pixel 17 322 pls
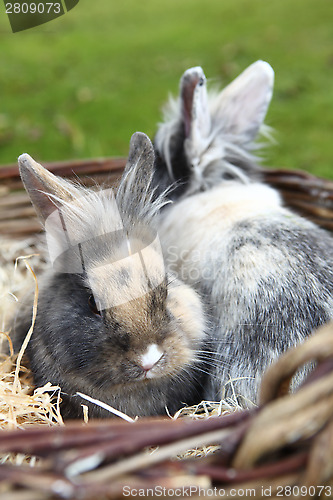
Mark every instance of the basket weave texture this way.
pixel 308 195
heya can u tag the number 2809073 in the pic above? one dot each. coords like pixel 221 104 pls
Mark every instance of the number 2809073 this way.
pixel 33 8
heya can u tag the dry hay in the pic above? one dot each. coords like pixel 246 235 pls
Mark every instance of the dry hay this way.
pixel 21 404
pixel 15 278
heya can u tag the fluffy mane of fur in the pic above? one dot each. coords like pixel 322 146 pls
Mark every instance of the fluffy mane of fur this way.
pixel 224 145
pixel 95 226
pixel 101 218
pixel 91 213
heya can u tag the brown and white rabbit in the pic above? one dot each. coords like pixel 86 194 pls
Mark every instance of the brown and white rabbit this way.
pixel 111 322
pixel 264 273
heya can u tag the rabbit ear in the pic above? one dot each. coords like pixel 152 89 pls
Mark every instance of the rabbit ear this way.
pixel 241 107
pixel 42 186
pixel 194 103
pixel 135 191
pixel 140 157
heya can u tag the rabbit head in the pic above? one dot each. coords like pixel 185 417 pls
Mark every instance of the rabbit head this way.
pixel 111 320
pixel 210 136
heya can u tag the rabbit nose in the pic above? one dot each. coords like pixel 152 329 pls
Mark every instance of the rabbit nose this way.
pixel 150 357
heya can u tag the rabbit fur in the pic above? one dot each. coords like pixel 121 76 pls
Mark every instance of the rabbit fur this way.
pixel 264 273
pixel 111 322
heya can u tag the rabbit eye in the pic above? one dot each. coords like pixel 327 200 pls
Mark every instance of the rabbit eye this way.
pixel 93 306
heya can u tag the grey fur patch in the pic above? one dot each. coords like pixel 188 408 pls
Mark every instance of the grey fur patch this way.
pixel 266 280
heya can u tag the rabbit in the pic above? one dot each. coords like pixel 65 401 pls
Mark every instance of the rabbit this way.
pixel 265 274
pixel 111 323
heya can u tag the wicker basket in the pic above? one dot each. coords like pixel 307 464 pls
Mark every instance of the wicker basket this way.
pixel 305 193
pixel 282 449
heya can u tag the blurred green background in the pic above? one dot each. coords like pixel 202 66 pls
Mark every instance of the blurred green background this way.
pixel 80 85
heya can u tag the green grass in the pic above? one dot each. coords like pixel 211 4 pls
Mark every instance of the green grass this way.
pixel 80 85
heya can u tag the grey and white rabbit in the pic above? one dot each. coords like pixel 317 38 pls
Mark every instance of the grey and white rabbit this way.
pixel 111 322
pixel 264 273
